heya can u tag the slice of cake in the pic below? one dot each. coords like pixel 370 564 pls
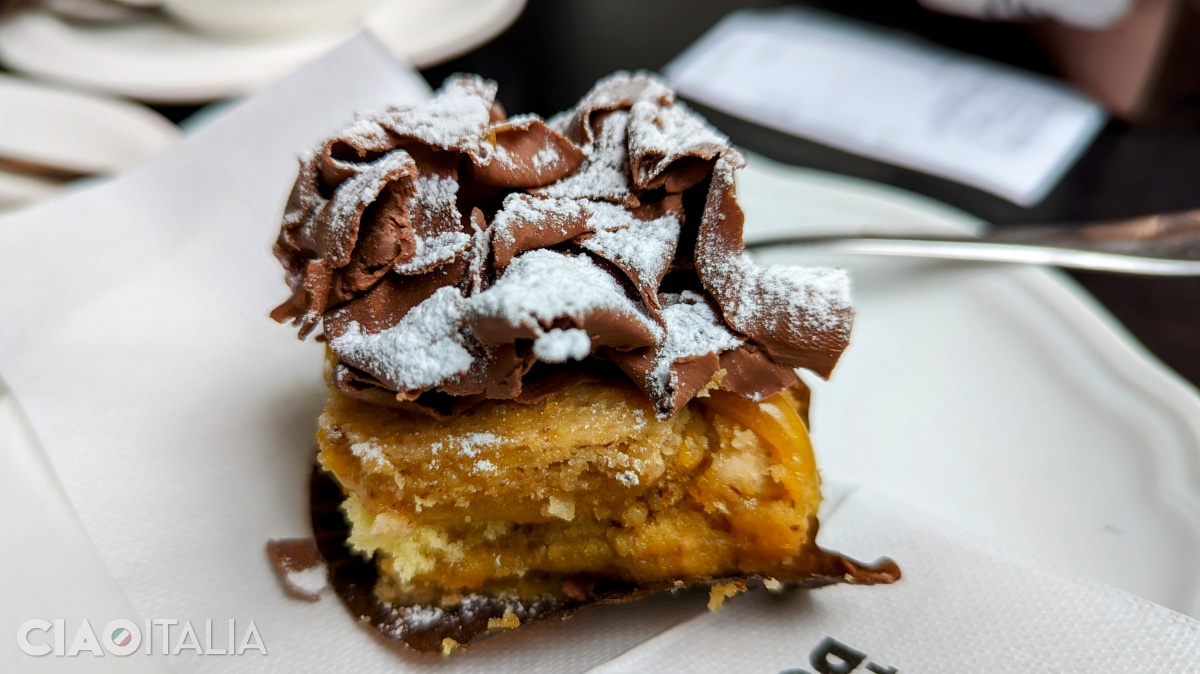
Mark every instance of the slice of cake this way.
pixel 555 378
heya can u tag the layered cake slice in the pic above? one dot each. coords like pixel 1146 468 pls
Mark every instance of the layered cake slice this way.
pixel 555 377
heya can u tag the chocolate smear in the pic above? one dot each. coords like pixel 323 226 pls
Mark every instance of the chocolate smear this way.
pixel 299 565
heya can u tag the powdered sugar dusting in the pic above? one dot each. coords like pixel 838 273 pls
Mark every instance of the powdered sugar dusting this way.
pixel 519 210
pixel 818 297
pixel 469 444
pixel 604 175
pixel 693 329
pixel 521 120
pixel 559 346
pixel 435 193
pixel 608 91
pixel 458 116
pixel 423 616
pixel 368 452
pixel 434 251
pixel 642 246
pixel 542 285
pixel 668 132
pixel 546 157
pixel 606 216
pixel 614 92
pixel 486 153
pixel 310 581
pixel 366 132
pixel 628 478
pixel 424 349
pixel 353 196
pixel 478 257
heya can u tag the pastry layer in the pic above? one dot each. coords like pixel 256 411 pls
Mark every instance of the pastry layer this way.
pixel 587 484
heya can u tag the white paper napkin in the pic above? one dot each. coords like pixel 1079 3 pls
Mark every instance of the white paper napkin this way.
pixel 962 606
pixel 180 419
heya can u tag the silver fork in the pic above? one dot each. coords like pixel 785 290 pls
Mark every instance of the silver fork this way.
pixel 1166 244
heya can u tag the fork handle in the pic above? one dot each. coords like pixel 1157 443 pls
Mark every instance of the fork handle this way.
pixel 1157 245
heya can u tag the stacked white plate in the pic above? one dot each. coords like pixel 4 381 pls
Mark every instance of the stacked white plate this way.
pixel 163 61
pixel 49 132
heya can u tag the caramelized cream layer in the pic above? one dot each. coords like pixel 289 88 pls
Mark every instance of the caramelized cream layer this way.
pixel 587 484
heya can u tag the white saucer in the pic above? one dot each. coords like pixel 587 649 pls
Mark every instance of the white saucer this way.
pixel 163 62
pixel 1003 398
pixel 82 133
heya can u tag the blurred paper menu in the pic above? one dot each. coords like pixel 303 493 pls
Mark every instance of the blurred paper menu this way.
pixel 891 97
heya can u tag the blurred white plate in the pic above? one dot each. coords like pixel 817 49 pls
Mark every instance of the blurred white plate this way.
pixel 17 189
pixel 82 133
pixel 1001 398
pixel 164 62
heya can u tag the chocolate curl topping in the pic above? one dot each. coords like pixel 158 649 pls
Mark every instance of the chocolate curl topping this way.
pixel 619 91
pixel 448 249
pixel 524 153
pixel 528 223
pixel 801 316
pixel 671 146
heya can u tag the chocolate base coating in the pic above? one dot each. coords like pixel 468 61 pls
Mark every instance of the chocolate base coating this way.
pixel 354 578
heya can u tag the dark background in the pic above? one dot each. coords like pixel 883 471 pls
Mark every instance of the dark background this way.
pixel 557 49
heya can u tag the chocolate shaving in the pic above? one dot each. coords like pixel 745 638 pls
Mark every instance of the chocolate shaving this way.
pixel 527 223
pixel 617 92
pixel 558 234
pixel 299 565
pixel 605 175
pixel 800 316
pixel 527 154
pixel 425 628
pixel 751 373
